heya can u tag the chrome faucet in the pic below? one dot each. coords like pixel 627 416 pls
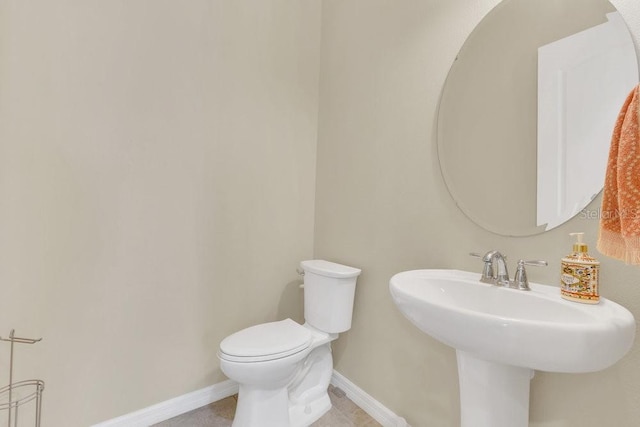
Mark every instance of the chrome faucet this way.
pixel 495 271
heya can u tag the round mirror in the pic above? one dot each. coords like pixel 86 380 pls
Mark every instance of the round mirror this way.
pixel 527 112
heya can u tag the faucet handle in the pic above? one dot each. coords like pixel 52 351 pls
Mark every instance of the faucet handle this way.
pixel 535 262
pixel 520 280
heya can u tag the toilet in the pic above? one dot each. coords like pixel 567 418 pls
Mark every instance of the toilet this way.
pixel 283 368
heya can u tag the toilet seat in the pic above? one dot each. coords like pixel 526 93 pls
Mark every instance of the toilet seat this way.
pixel 267 341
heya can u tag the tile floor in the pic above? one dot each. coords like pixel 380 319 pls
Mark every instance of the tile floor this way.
pixel 344 413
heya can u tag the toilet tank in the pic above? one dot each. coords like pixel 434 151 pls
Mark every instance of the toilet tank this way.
pixel 329 289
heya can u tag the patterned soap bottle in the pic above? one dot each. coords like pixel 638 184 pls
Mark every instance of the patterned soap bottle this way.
pixel 579 274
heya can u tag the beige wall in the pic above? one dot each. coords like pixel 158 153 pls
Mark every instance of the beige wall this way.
pixel 381 205
pixel 157 174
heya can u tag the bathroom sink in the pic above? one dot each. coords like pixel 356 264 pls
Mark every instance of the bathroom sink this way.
pixel 502 335
pixel 534 329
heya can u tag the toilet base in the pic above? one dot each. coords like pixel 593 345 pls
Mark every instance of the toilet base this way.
pixel 272 408
pixel 295 395
pixel 308 397
pixel 305 415
pixel 260 407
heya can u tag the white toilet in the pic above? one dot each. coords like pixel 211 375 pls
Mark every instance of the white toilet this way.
pixel 284 368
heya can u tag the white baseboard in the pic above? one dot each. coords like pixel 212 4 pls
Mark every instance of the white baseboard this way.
pixel 371 406
pixel 174 407
pixel 196 399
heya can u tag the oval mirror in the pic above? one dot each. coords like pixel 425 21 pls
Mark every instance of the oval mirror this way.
pixel 527 111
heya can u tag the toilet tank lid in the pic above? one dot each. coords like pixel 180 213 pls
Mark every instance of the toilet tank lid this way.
pixel 329 269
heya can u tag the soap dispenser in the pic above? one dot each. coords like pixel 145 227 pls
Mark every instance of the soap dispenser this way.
pixel 579 274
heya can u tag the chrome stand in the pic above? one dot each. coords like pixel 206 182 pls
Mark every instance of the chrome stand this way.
pixel 28 390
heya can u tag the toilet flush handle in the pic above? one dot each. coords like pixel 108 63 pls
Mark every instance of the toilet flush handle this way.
pixel 300 273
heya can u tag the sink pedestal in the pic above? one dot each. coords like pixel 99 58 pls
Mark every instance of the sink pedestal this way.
pixel 492 394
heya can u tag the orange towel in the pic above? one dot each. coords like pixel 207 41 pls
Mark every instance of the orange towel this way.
pixel 620 214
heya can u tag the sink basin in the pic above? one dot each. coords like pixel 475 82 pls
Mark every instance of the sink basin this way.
pixel 535 329
pixel 501 335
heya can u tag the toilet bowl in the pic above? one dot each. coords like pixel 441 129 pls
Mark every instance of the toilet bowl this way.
pixel 283 368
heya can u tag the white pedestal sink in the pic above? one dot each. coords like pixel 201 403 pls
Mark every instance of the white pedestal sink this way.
pixel 502 335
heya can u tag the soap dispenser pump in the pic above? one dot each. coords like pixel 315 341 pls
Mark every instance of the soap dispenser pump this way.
pixel 579 274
